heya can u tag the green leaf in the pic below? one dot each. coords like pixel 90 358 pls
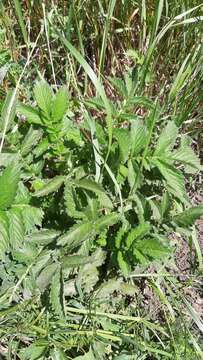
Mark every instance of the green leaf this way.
pixel 43 236
pixel 119 85
pixel 123 264
pixel 72 261
pixel 4 234
pixel 30 140
pixel 165 204
pixel 16 227
pixel 58 354
pixel 155 208
pixel 31 114
pixel 56 294
pixel 134 174
pixel 51 186
pixel 32 217
pixel 60 104
pixel 174 179
pixel 8 185
pixel 70 198
pixel 188 217
pixel 76 235
pixel 43 95
pixel 186 156
pixel 123 138
pixel 106 220
pixel 25 254
pixel 139 232
pixel 88 274
pixel 119 236
pixel 34 351
pixel 8 111
pixel 22 196
pixel 138 136
pixel 46 275
pixel 152 248
pixel 166 140
pixel 91 185
pixel 107 288
pixel 7 158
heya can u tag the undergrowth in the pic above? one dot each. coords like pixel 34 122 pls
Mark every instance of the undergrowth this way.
pixel 100 141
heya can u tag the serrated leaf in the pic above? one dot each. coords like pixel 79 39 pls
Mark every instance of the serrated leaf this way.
pixel 123 138
pixel 189 216
pixel 91 185
pixel 98 257
pixel 106 220
pixel 165 204
pixel 119 86
pixel 95 103
pixel 70 198
pixel 41 148
pixel 22 195
pixel 186 156
pixel 41 261
pixel 8 185
pixel 140 257
pixel 46 275
pixel 123 264
pixel 43 236
pixel 72 261
pixel 119 236
pixel 16 227
pixel 152 248
pixel 138 136
pixel 134 174
pixel 60 104
pixel 56 294
pixel 32 217
pixel 51 186
pixel 76 235
pixel 8 111
pixel 31 114
pixel 174 179
pixel 4 234
pixel 156 209
pixel 43 95
pixel 107 288
pixel 139 232
pixel 167 138
pixel 25 254
pixel 30 140
pixel 88 274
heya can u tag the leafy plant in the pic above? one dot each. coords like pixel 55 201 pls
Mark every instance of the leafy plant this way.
pixel 93 184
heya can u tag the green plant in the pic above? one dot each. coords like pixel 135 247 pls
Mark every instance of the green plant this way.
pixel 58 215
pixel 94 179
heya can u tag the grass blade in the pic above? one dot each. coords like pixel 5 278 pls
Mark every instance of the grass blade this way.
pixel 111 7
pixel 19 16
pixel 96 82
